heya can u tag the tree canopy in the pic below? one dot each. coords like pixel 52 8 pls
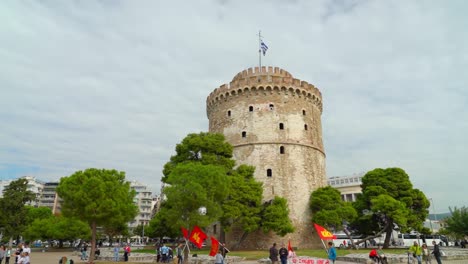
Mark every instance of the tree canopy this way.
pixel 13 218
pixel 329 210
pixel 98 197
pixel 388 198
pixel 457 223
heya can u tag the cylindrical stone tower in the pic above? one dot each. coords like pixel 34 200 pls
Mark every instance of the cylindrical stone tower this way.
pixel 273 122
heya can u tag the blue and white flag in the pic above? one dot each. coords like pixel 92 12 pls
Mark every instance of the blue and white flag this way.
pixel 264 47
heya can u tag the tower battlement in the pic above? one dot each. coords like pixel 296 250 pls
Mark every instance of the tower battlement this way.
pixel 265 80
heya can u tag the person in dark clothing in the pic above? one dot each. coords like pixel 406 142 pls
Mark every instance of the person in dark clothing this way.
pixel 436 252
pixel 274 254
pixel 283 254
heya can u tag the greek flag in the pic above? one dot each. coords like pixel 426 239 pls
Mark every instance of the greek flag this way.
pixel 264 47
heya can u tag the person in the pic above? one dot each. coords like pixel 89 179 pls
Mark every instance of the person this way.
pixel 7 255
pixel 344 243
pixel 126 252
pixel 84 248
pixel 65 260
pixel 283 254
pixel 27 249
pixel 224 250
pixel 381 254
pixel 164 253
pixel 374 256
pixel 331 252
pixel 97 252
pixel 20 259
pixel 26 258
pixel 426 255
pixel 219 257
pixel 180 253
pixel 274 254
pixel 416 252
pixel 116 252
pixel 19 250
pixel 2 253
pixel 436 252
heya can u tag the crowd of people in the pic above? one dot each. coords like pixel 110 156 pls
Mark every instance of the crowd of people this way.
pixel 21 255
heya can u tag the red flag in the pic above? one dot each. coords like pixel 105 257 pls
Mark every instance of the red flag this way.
pixel 214 246
pixel 197 237
pixel 184 232
pixel 291 253
pixel 324 233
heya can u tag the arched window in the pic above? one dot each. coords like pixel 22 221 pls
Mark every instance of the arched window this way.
pixel 250 108
pixel 303 112
pixel 281 126
pixel 269 173
pixel 305 127
pixel 229 113
pixel 272 107
pixel 282 150
pixel 244 134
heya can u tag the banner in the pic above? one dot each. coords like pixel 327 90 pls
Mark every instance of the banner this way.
pixel 324 233
pixel 197 237
pixel 214 247
pixel 291 253
pixel 306 260
pixel 184 232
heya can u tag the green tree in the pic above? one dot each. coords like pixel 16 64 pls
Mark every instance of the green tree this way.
pixel 161 226
pixel 388 198
pixel 13 218
pixel 457 223
pixel 329 210
pixel 243 205
pixel 204 148
pixel 34 213
pixel 98 197
pixel 275 217
pixel 57 227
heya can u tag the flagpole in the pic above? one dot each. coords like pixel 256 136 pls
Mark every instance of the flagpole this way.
pixel 326 250
pixel 259 50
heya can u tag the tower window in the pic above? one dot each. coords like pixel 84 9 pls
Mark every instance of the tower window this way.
pixel 305 127
pixel 269 173
pixel 250 108
pixel 272 107
pixel 282 150
pixel 281 126
pixel 229 113
pixel 244 134
pixel 303 112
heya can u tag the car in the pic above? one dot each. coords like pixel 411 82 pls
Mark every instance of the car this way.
pixel 106 244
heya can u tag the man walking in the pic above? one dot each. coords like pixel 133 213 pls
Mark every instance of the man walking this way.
pixel 436 252
pixel 274 254
pixel 283 254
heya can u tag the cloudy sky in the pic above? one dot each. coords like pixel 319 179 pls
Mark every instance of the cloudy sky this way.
pixel 117 84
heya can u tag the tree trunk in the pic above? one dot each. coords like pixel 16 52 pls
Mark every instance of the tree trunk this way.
pixel 388 234
pixel 243 237
pixel 93 243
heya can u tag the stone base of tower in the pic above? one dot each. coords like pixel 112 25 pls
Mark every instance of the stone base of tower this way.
pixel 304 236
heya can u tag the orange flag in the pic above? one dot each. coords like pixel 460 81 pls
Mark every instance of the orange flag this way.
pixel 184 232
pixel 197 236
pixel 324 233
pixel 214 246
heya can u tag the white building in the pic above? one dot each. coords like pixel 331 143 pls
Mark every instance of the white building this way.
pixel 144 200
pixel 349 186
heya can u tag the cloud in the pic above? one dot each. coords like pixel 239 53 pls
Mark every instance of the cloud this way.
pixel 118 84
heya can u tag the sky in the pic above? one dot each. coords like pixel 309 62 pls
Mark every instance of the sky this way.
pixel 117 84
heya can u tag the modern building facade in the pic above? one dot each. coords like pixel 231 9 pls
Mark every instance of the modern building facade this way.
pixel 144 200
pixel 273 122
pixel 349 186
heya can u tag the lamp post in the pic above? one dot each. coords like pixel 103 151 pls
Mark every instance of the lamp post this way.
pixel 434 212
